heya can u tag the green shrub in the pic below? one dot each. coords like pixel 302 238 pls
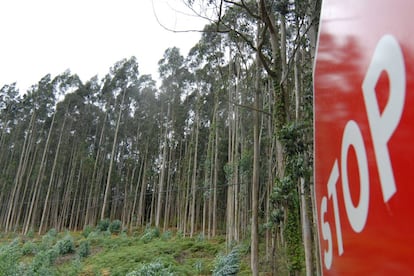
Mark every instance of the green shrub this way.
pixel 29 248
pixel 30 234
pixel 87 230
pixel 115 226
pixel 84 249
pixel 153 269
pixel 124 234
pixel 198 265
pixel 66 245
pixel 200 237
pixel 106 233
pixel 52 233
pixel 95 237
pixel 225 265
pixel 48 240
pixel 150 234
pixel 103 225
pixel 166 235
pixel 9 258
pixel 75 268
pixel 42 263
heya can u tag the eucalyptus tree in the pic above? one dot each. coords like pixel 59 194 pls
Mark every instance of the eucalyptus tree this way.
pixel 61 85
pixel 9 100
pixel 174 82
pixel 144 126
pixel 277 31
pixel 9 144
pixel 206 61
pixel 41 101
pixel 118 84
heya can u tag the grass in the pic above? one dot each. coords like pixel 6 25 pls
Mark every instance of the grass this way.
pixel 120 255
pixel 111 254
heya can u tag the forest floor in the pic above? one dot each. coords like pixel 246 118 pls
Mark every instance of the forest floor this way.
pixel 94 252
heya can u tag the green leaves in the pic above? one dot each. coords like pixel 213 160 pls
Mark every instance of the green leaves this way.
pixel 10 258
pixel 226 265
pixel 66 245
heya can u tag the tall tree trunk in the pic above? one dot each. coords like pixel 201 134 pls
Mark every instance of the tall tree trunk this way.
pixel 194 176
pixel 215 176
pixel 33 202
pixel 186 197
pixel 142 194
pixel 231 164
pixel 24 157
pixel 168 194
pixel 133 213
pixel 45 205
pixel 256 167
pixel 20 209
pixel 90 208
pixel 163 168
pixel 111 162
pixel 304 205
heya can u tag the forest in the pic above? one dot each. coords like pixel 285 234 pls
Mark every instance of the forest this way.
pixel 222 145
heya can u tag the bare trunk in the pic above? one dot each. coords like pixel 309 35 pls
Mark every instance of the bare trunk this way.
pixel 141 202
pixel 194 176
pixel 45 206
pixel 133 212
pixel 256 168
pixel 27 144
pixel 33 202
pixel 111 162
pixel 168 196
pixel 162 175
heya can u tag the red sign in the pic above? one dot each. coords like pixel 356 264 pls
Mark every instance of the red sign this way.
pixel 364 137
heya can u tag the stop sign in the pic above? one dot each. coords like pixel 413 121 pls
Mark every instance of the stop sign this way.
pixel 364 137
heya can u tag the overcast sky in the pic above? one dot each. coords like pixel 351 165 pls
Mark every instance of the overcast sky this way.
pixel 38 37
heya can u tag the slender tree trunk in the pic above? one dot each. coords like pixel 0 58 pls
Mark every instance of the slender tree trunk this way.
pixel 168 193
pixel 231 171
pixel 194 177
pixel 256 168
pixel 187 193
pixel 66 200
pixel 45 205
pixel 270 175
pixel 90 210
pixel 133 213
pixel 141 202
pixel 162 174
pixel 33 202
pixel 24 157
pixel 313 15
pixel 111 162
pixel 215 177
pixel 24 197
pixel 209 168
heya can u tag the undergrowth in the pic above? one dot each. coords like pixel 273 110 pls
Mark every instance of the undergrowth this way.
pixel 105 251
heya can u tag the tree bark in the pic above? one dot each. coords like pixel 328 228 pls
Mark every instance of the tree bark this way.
pixel 256 167
pixel 111 162
pixel 194 176
pixel 45 205
pixel 162 174
pixel 40 175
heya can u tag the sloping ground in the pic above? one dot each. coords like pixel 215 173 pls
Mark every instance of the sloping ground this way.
pixel 102 253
